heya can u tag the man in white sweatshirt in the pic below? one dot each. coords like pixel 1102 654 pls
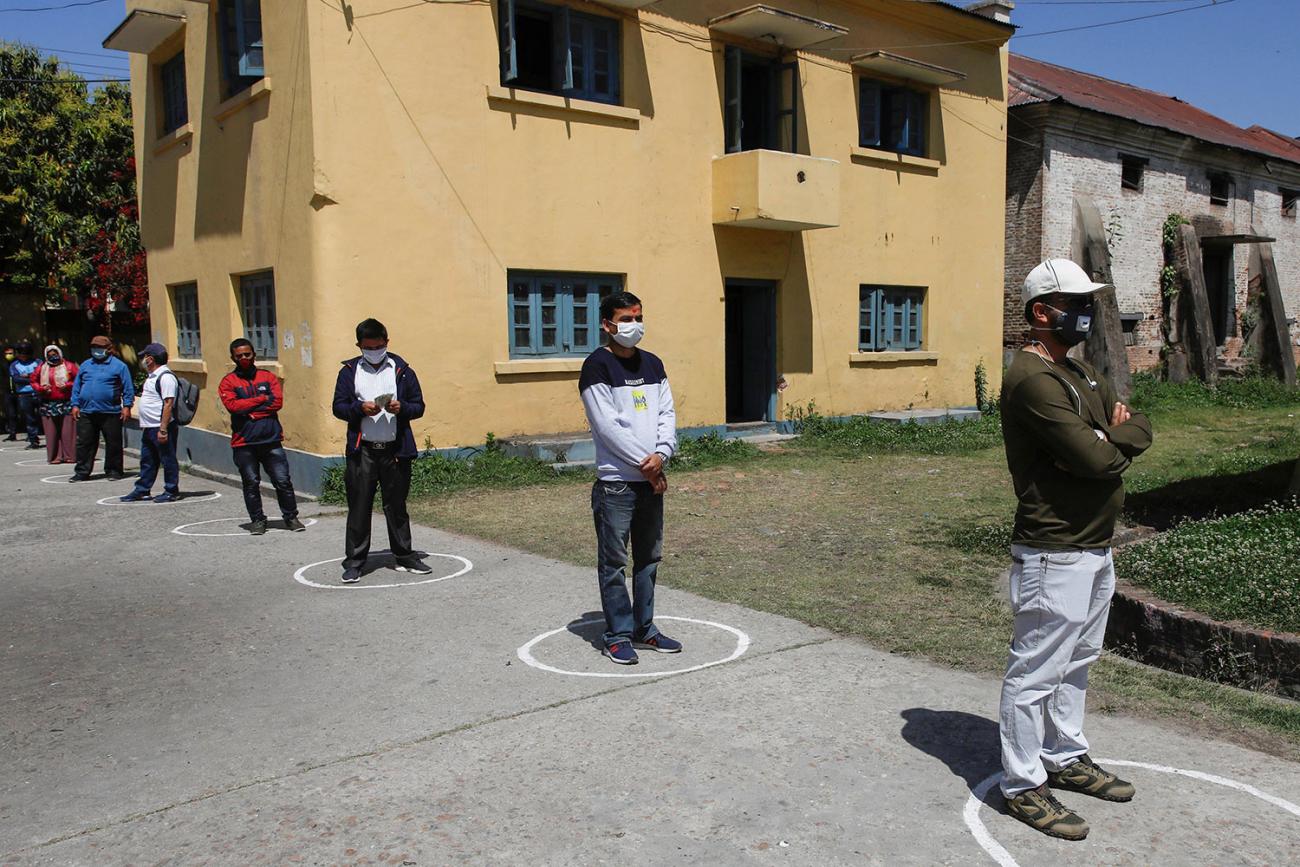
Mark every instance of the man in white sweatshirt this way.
pixel 630 409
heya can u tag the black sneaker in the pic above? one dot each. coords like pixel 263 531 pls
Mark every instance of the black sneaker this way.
pixel 113 477
pixel 258 528
pixel 33 446
pixel 294 525
pixel 351 576
pixel 414 565
pixel 77 478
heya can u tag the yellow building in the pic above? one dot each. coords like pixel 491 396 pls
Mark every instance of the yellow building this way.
pixel 808 195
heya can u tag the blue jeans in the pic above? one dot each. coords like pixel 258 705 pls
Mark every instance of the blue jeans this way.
pixel 153 453
pixel 270 456
pixel 623 511
pixel 28 418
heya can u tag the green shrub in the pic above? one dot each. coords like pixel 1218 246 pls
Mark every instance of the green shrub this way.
pixel 1253 392
pixel 489 467
pixel 1243 567
pixel 947 437
pixel 711 450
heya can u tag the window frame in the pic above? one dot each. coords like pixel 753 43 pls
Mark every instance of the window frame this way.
pixel 174 111
pixel 782 103
pixel 1225 179
pixel 565 282
pixel 1289 202
pixel 1126 161
pixel 564 22
pixel 233 25
pixel 185 306
pixel 887 310
pixel 264 335
pixel 916 107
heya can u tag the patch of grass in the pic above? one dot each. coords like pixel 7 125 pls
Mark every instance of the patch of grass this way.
pixel 1252 392
pixel 432 474
pixel 862 435
pixel 1242 567
pixel 711 450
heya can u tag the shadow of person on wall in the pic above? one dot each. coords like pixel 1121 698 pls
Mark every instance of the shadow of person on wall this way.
pixel 590 627
pixel 968 744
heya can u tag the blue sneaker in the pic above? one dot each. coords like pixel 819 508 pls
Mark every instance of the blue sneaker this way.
pixel 167 498
pixel 660 643
pixel 135 497
pixel 621 652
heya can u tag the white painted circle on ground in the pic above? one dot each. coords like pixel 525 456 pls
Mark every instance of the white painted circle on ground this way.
pixel 34 462
pixel 301 575
pixel 63 480
pixel 182 530
pixel 185 498
pixel 525 653
pixel 999 854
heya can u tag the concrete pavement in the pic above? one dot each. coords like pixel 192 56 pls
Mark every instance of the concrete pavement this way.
pixel 183 699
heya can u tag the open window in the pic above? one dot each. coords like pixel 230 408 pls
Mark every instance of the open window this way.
pixel 240 24
pixel 892 117
pixel 553 49
pixel 1132 170
pixel 1220 188
pixel 761 102
pixel 1288 202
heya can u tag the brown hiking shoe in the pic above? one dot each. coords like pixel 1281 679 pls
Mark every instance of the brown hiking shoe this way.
pixel 1039 809
pixel 1090 778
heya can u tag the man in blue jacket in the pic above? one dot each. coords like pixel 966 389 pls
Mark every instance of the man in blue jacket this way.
pixel 378 394
pixel 20 372
pixel 102 395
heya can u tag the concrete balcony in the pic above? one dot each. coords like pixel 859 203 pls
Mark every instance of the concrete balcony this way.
pixel 763 189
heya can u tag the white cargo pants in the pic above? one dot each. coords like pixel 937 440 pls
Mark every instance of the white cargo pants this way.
pixel 1060 600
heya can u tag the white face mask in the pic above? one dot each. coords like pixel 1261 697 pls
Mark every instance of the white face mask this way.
pixel 374 356
pixel 629 334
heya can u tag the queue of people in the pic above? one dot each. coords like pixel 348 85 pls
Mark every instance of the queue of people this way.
pixel 1068 440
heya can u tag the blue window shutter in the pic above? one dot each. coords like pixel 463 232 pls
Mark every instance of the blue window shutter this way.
pixel 787 93
pixel 562 49
pixel 603 58
pixel 918 108
pixel 869 114
pixel 248 27
pixel 731 107
pixel 509 52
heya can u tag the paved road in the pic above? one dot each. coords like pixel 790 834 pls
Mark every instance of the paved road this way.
pixel 182 699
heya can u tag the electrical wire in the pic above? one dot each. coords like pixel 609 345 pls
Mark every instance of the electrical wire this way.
pixel 55 8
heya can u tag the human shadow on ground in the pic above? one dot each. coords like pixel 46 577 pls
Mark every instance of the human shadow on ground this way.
pixel 590 627
pixel 968 744
pixel 1203 496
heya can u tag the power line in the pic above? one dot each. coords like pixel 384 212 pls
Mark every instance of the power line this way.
pixel 77 80
pixel 55 8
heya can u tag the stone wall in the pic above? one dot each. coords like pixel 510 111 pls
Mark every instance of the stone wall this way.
pixel 1173 638
pixel 1026 175
pixel 1175 180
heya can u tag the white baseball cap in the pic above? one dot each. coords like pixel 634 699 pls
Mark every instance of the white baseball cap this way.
pixel 1058 276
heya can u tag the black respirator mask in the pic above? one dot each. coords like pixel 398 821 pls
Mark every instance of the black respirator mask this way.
pixel 1071 325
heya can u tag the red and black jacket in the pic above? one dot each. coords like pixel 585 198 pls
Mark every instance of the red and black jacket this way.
pixel 409 395
pixel 253 402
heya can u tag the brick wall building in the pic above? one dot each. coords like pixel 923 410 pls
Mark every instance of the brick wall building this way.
pixel 1140 156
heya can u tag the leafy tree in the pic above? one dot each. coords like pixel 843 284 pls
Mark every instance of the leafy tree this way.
pixel 68 213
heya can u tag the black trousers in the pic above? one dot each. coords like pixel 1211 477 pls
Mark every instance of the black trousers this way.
pixel 13 417
pixel 90 427
pixel 271 457
pixel 369 469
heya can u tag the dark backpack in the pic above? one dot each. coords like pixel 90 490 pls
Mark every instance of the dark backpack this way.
pixel 187 399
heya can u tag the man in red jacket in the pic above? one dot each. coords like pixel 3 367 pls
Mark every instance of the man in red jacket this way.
pixel 253 398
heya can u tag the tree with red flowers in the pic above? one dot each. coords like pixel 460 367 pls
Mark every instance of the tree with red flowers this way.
pixel 68 214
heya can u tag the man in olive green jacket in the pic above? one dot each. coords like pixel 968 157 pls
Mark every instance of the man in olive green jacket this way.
pixel 1069 440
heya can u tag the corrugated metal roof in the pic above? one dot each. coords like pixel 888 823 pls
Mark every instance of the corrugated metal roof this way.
pixel 1031 81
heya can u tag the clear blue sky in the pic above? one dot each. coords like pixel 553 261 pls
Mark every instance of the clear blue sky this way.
pixel 1237 60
